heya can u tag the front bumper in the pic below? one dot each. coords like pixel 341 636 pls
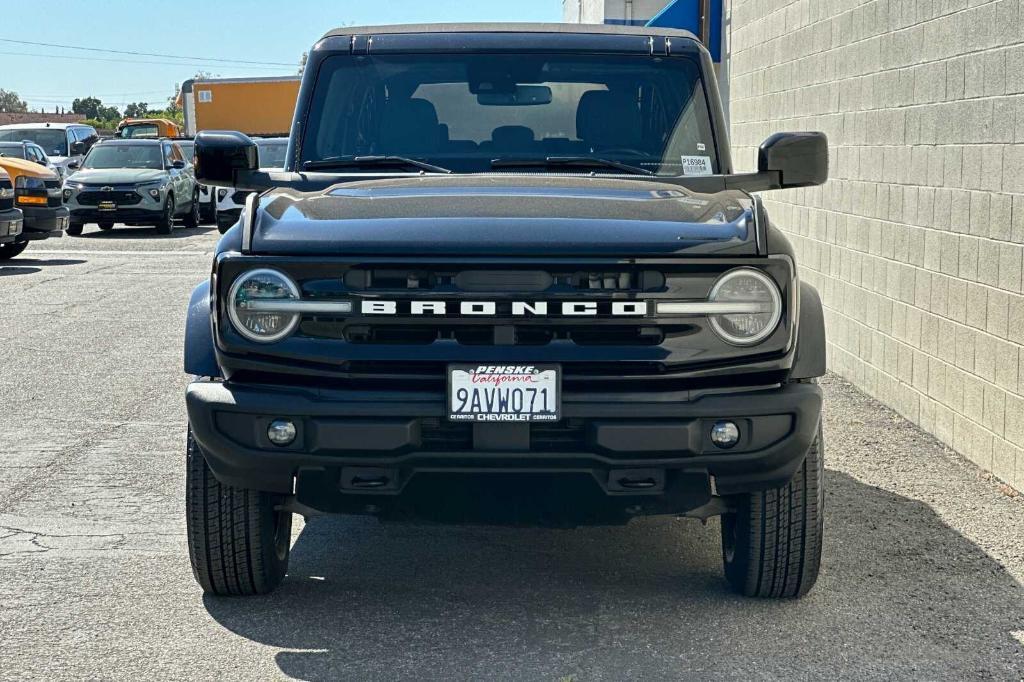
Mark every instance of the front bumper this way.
pixel 11 225
pixel 346 436
pixel 42 222
pixel 127 214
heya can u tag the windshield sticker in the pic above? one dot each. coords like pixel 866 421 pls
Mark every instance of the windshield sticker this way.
pixel 701 147
pixel 696 165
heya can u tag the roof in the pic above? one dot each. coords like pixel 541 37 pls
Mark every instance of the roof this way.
pixel 42 124
pixel 606 29
pixel 131 140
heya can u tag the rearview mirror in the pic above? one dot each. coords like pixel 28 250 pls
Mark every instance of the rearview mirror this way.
pixel 73 165
pixel 221 154
pixel 78 148
pixel 177 164
pixel 800 159
pixel 523 95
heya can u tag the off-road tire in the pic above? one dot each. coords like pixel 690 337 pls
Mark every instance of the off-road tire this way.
pixel 105 226
pixel 225 223
pixel 8 251
pixel 192 217
pixel 166 224
pixel 209 216
pixel 237 541
pixel 771 545
pixel 75 229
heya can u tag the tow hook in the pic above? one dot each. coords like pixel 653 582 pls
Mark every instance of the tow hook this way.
pixel 368 478
pixel 636 480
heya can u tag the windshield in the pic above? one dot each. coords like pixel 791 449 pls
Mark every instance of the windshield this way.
pixel 12 149
pixel 188 150
pixel 272 153
pixel 53 141
pixel 124 156
pixel 140 130
pixel 465 111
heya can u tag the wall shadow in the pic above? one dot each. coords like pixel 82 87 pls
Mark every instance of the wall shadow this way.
pixel 902 594
pixel 28 266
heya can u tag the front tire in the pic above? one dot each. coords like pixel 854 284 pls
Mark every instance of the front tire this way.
pixel 166 224
pixel 8 251
pixel 771 545
pixel 105 226
pixel 192 218
pixel 238 542
pixel 75 229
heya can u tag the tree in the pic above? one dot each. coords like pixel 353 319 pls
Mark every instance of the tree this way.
pixel 10 103
pixel 136 110
pixel 87 106
pixel 108 113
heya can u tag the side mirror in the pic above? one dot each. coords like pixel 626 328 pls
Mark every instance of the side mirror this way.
pixel 800 159
pixel 73 165
pixel 221 154
pixel 78 148
pixel 178 164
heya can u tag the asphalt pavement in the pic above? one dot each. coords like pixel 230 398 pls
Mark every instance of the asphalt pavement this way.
pixel 923 565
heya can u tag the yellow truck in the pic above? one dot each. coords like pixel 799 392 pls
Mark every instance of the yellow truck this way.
pixel 148 128
pixel 255 106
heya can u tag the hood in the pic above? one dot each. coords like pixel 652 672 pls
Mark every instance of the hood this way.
pixel 503 215
pixel 15 167
pixel 117 176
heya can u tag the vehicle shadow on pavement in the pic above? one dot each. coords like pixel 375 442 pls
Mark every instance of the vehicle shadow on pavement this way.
pixel 29 266
pixel 145 232
pixel 902 594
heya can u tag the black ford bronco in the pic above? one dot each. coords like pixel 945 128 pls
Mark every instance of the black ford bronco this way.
pixel 507 275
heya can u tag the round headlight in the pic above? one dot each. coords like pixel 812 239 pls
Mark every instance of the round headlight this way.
pixel 758 304
pixel 262 286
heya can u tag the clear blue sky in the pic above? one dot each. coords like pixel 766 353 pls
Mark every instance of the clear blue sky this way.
pixel 229 29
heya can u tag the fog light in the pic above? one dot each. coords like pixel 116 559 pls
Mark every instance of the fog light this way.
pixel 67 195
pixel 725 434
pixel 281 431
pixel 155 193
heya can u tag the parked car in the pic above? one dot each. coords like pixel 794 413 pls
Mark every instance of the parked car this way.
pixel 37 194
pixel 30 151
pixel 136 182
pixel 148 128
pixel 62 142
pixel 509 274
pixel 11 220
pixel 272 151
pixel 207 194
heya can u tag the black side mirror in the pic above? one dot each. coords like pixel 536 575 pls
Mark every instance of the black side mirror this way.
pixel 221 154
pixel 73 165
pixel 78 148
pixel 800 159
pixel 177 164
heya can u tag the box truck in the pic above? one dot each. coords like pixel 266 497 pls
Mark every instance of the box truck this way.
pixel 255 106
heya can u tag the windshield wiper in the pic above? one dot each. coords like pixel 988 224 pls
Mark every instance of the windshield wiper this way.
pixel 371 161
pixel 573 161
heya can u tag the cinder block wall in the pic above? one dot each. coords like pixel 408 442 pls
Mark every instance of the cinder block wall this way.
pixel 916 242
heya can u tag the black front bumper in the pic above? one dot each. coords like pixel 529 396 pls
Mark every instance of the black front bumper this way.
pixel 119 215
pixel 42 222
pixel 632 449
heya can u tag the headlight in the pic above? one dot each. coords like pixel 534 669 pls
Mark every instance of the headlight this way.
pixel 244 299
pixel 71 184
pixel 6 192
pixel 763 302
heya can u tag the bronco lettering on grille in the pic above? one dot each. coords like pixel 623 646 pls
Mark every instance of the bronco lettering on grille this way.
pixel 508 308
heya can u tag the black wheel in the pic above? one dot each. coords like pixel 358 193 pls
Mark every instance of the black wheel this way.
pixel 771 545
pixel 225 223
pixel 192 217
pixel 8 251
pixel 75 229
pixel 107 225
pixel 237 541
pixel 166 224
pixel 210 213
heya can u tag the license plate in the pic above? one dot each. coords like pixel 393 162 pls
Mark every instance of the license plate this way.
pixel 504 393
pixel 107 206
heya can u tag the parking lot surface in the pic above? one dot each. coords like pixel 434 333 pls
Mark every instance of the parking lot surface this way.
pixel 923 567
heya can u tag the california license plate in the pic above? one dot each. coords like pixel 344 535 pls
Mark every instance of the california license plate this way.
pixel 107 206
pixel 504 393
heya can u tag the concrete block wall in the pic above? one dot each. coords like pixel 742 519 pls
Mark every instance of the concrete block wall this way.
pixel 916 243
